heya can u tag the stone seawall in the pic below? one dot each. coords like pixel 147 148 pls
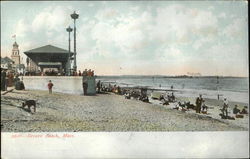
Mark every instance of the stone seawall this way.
pixel 63 84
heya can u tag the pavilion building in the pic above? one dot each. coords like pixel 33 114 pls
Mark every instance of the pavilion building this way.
pixel 49 57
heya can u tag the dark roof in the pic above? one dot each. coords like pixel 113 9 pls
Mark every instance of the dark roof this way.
pixel 6 60
pixel 47 49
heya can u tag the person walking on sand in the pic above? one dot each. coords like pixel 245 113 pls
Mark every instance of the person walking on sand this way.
pixel 198 103
pixel 50 85
pixel 225 108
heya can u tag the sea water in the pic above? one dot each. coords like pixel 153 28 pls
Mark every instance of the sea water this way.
pixel 233 88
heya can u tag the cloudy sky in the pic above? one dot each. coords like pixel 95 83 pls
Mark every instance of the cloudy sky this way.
pixel 143 37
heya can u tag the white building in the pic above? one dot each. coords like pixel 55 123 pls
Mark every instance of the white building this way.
pixel 7 63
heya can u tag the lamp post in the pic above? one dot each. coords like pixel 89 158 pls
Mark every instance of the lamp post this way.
pixel 69 29
pixel 74 16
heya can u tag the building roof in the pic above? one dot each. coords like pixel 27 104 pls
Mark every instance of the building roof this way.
pixel 48 49
pixel 6 60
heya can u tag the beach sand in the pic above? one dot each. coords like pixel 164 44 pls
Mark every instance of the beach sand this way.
pixel 104 112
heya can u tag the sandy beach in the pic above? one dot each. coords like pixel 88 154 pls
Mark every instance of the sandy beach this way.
pixel 104 112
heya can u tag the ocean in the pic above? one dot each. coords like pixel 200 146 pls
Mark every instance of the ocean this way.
pixel 233 88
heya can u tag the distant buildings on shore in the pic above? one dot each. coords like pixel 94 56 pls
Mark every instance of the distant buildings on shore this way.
pixel 193 74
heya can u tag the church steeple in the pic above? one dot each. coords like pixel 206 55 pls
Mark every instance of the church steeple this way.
pixel 15 54
pixel 15 45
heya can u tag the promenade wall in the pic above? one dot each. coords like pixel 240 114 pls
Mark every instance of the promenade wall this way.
pixel 63 84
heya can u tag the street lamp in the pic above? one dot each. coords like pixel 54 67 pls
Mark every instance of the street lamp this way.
pixel 74 16
pixel 69 29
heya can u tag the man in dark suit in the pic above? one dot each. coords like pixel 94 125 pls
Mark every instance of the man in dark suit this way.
pixel 85 82
pixel 198 103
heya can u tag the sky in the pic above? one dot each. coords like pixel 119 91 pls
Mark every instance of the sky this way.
pixel 136 37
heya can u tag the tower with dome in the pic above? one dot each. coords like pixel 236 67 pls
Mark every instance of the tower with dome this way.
pixel 15 55
pixel 18 67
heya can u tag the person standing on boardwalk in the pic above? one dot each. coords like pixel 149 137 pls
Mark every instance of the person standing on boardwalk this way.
pixel 79 73
pixel 50 85
pixel 85 82
pixel 198 103
pixel 89 72
pixel 84 72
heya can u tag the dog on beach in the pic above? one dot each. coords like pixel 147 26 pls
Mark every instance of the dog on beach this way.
pixel 29 103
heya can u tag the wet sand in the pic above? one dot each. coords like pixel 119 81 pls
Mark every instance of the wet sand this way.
pixel 104 112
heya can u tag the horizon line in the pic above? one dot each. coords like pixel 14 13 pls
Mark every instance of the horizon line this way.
pixel 181 75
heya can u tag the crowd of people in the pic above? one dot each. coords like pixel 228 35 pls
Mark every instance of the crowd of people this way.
pixel 102 88
pixel 52 72
pixel 49 73
pixel 86 72
pixel 237 113
pixel 167 98
pixel 132 93
pixel 199 107
pixel 10 79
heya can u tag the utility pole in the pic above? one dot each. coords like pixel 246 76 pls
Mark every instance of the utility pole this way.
pixel 74 16
pixel 69 29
